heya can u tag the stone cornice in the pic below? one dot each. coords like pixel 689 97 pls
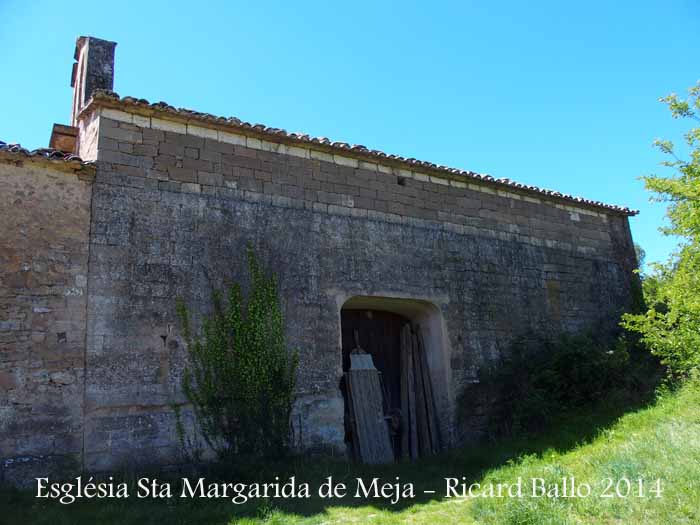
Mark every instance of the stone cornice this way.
pixel 299 144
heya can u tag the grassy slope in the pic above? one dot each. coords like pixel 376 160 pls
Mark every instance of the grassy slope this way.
pixel 662 441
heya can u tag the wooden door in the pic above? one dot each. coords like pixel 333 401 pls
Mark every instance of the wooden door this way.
pixel 380 335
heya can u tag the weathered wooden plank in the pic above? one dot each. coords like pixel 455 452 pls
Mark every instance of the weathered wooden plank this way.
pixel 405 426
pixel 433 423
pixel 351 413
pixel 413 430
pixel 371 430
pixel 424 446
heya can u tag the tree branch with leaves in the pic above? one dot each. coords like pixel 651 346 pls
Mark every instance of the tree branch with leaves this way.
pixel 671 324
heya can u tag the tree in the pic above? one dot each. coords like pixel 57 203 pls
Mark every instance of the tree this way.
pixel 641 256
pixel 671 324
pixel 241 376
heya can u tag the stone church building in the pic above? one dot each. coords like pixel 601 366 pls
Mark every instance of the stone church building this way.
pixel 136 204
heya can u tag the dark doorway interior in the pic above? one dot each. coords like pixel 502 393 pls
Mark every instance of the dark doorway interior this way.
pixel 379 335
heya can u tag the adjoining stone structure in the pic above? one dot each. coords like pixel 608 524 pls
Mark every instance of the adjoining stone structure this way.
pixel 44 224
pixel 176 197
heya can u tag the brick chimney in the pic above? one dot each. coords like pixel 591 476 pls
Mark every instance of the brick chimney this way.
pixel 93 69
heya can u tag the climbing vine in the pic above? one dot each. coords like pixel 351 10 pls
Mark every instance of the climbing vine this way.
pixel 241 376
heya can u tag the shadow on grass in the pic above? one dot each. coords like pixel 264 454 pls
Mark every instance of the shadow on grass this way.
pixel 468 464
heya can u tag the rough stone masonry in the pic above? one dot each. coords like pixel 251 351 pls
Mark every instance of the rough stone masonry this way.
pixel 160 204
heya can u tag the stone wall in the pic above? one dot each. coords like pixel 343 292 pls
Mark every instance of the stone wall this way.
pixel 45 223
pixel 92 262
pixel 175 203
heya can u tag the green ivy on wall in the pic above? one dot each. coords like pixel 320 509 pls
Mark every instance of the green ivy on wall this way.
pixel 240 378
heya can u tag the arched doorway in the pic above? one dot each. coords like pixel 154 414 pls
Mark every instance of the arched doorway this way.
pixel 377 322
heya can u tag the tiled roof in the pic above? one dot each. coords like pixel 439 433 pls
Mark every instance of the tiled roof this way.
pixel 43 153
pixel 342 148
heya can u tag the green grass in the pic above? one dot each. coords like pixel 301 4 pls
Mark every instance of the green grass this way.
pixel 657 442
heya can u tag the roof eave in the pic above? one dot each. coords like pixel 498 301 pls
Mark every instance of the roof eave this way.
pixel 162 110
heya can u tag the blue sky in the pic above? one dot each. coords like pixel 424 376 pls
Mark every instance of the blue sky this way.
pixel 562 95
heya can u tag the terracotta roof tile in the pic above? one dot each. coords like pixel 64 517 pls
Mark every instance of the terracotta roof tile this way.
pixel 359 151
pixel 44 153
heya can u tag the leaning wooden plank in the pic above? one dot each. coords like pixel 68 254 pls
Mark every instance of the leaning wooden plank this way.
pixel 374 439
pixel 413 431
pixel 366 394
pixel 424 446
pixel 353 426
pixel 357 424
pixel 405 452
pixel 433 422
pixel 431 411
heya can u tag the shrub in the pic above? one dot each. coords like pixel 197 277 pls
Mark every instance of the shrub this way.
pixel 670 327
pixel 241 377
pixel 539 379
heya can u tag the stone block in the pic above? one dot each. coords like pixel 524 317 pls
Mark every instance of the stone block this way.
pixel 182 174
pixel 199 131
pixel 168 125
pixel 232 138
pixel 121 135
pixel 210 179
